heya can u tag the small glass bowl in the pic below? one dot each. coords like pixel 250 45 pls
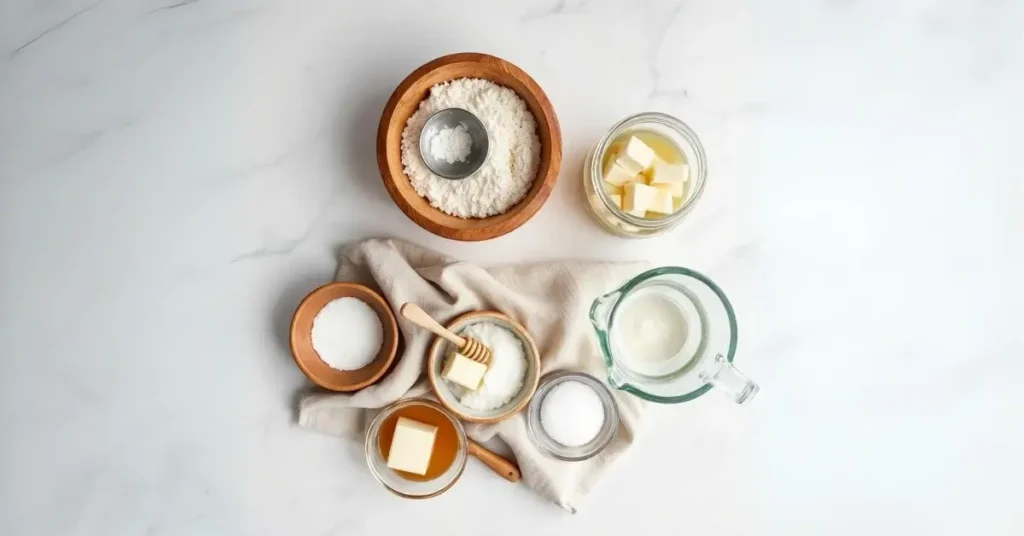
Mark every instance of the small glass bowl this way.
pixel 408 488
pixel 557 450
pixel 607 213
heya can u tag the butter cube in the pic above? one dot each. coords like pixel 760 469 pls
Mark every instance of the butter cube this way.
pixel 616 199
pixel 617 175
pixel 412 446
pixel 636 156
pixel 637 198
pixel 463 371
pixel 674 176
pixel 662 203
pixel 611 188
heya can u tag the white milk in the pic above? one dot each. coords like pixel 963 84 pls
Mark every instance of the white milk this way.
pixel 656 330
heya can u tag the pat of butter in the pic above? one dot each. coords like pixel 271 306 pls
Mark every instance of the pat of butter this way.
pixel 616 199
pixel 636 156
pixel 463 371
pixel 412 446
pixel 662 203
pixel 637 198
pixel 617 175
pixel 674 176
pixel 612 189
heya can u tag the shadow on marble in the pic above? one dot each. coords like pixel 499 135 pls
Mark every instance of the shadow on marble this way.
pixel 572 173
pixel 354 131
pixel 287 302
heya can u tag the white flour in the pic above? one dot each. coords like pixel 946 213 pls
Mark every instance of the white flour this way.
pixel 451 144
pixel 512 159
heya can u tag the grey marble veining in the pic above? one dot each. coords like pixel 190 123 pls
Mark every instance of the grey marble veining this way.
pixel 175 176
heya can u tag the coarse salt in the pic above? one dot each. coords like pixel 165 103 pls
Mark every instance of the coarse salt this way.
pixel 347 334
pixel 505 374
pixel 572 414
pixel 451 144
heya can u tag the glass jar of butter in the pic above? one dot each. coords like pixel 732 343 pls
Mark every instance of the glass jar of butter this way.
pixel 673 142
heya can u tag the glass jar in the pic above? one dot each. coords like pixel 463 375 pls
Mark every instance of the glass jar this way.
pixel 606 212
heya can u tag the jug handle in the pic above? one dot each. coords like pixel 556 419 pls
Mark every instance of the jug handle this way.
pixel 723 375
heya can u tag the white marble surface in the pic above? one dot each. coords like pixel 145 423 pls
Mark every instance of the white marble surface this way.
pixel 174 176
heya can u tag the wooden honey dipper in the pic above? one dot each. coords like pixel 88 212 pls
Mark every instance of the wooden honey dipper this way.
pixel 467 346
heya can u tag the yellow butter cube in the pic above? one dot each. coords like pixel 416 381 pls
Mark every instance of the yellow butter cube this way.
pixel 674 176
pixel 617 175
pixel 662 203
pixel 636 156
pixel 463 371
pixel 612 188
pixel 412 446
pixel 616 199
pixel 637 198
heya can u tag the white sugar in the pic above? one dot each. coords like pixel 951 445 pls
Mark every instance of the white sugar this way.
pixel 347 334
pixel 572 414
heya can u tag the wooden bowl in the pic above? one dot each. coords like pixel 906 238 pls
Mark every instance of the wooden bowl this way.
pixel 404 102
pixel 440 349
pixel 310 363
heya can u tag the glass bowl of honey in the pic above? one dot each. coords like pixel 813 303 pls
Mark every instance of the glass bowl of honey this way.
pixel 447 456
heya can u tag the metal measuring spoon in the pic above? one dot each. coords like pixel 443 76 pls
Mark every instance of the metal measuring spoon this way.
pixel 453 118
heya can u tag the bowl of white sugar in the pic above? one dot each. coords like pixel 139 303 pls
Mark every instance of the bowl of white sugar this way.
pixel 511 377
pixel 519 166
pixel 344 336
pixel 573 416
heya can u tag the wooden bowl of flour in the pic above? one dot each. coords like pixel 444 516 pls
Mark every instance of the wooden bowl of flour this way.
pixel 404 102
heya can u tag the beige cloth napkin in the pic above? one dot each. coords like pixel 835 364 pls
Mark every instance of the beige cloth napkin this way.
pixel 551 299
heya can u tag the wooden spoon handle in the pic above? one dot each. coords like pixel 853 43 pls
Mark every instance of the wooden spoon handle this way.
pixel 505 468
pixel 414 314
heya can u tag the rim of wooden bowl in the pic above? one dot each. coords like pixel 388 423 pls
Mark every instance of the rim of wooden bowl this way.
pixel 434 354
pixel 309 361
pixel 416 87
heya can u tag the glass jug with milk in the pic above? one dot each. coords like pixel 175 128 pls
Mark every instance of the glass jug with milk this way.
pixel 668 336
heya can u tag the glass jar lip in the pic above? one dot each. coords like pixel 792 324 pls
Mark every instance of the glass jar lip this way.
pixel 370 446
pixel 596 171
pixel 605 341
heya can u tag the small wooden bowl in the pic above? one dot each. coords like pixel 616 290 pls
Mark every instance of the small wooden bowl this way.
pixel 404 102
pixel 440 348
pixel 310 363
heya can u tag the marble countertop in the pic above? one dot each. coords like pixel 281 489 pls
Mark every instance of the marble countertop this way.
pixel 176 175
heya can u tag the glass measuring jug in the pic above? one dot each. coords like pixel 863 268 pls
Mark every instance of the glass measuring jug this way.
pixel 668 336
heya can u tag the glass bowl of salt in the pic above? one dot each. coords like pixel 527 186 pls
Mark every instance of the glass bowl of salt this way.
pixel 572 417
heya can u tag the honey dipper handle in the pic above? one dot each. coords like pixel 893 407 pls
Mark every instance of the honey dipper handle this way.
pixel 505 468
pixel 414 314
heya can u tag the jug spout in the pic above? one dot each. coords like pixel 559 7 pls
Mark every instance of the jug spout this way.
pixel 723 375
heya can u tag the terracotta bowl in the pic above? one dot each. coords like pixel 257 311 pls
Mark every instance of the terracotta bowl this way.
pixel 308 360
pixel 440 349
pixel 404 102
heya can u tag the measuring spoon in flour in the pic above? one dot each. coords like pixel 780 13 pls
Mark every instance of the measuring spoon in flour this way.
pixel 453 143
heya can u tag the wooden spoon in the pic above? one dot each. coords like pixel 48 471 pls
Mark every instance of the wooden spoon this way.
pixel 504 467
pixel 467 346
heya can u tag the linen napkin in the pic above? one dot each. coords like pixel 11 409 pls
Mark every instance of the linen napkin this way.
pixel 552 300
